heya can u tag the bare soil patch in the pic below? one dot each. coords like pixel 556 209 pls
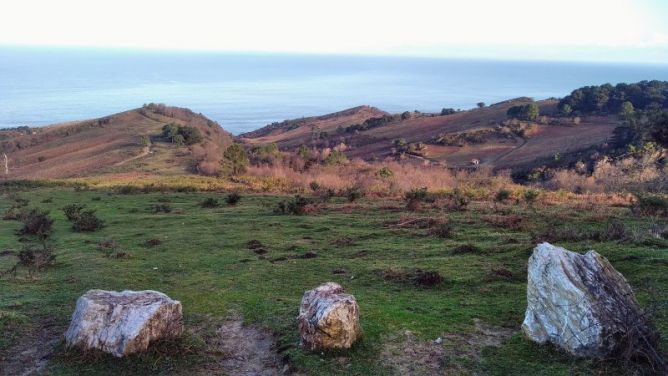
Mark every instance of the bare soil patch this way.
pixel 246 350
pixel 407 354
pixel 31 354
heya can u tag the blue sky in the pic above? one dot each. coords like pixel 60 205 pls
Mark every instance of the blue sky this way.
pixel 589 30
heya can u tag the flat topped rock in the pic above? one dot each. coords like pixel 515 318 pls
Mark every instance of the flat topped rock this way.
pixel 328 318
pixel 125 322
pixel 580 303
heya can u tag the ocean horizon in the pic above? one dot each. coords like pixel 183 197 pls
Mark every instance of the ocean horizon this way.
pixel 243 92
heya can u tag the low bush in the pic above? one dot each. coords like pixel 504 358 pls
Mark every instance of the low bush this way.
pixel 442 230
pixel 73 211
pixel 82 220
pixel 210 203
pixel 354 193
pixel 36 223
pixel 87 221
pixel 13 213
pixel 299 205
pixel 502 195
pixel 650 205
pixel 37 257
pixel 531 195
pixel 232 199
pixel 457 200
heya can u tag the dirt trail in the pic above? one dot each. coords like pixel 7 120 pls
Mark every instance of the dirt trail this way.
pixel 503 155
pixel 146 150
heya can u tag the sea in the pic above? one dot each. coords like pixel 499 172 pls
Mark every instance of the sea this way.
pixel 245 91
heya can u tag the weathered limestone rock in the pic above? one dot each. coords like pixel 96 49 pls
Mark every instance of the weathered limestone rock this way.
pixel 328 318
pixel 122 323
pixel 579 303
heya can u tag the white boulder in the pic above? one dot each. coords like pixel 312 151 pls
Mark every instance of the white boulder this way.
pixel 122 323
pixel 328 318
pixel 578 302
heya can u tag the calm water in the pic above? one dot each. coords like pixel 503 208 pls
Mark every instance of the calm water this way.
pixel 244 92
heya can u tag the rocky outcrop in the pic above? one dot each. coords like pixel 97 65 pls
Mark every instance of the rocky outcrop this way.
pixel 581 304
pixel 328 318
pixel 122 323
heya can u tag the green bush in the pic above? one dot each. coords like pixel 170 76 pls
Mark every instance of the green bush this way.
pixel 73 211
pixel 36 223
pixel 651 205
pixel 232 198
pixel 502 195
pixel 299 205
pixel 354 193
pixel 210 203
pixel 87 221
pixel 531 195
pixel 385 173
pixel 13 213
pixel 36 257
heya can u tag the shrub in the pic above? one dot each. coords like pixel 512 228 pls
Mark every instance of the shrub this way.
pixel 502 195
pixel 13 213
pixel 354 193
pixel 531 195
pixel 384 173
pixel 235 160
pixel 233 198
pixel 87 221
pixel 127 189
pixel 36 223
pixel 73 211
pixel 299 205
pixel 457 200
pixel 418 194
pixel 651 205
pixel 37 257
pixel 441 230
pixel 326 194
pixel 209 203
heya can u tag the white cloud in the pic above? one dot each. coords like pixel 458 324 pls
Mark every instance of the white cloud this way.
pixel 426 27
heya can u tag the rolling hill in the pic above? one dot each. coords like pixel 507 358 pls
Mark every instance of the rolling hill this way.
pixel 125 142
pixel 132 141
pixel 484 134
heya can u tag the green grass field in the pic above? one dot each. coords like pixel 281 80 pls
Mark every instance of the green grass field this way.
pixel 203 261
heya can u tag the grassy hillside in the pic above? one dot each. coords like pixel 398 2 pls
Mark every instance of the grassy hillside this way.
pixel 493 140
pixel 372 247
pixel 126 142
pixel 291 134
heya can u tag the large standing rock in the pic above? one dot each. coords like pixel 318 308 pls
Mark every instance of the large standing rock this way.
pixel 121 323
pixel 580 303
pixel 328 318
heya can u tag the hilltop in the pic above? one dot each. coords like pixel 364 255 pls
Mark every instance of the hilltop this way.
pixel 129 141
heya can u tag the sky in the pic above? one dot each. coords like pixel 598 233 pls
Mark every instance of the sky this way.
pixel 581 30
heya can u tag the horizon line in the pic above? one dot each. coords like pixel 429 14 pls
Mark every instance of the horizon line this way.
pixel 420 56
